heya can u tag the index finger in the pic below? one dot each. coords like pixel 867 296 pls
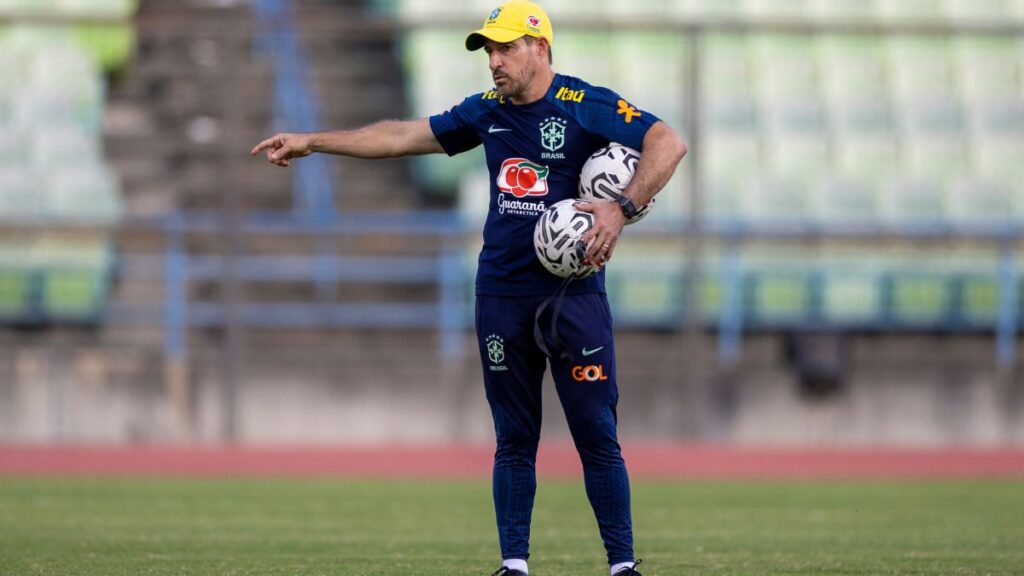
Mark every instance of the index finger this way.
pixel 269 142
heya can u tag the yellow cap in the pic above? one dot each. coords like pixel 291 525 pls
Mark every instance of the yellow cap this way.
pixel 512 20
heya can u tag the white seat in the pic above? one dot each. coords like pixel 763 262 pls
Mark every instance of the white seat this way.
pixel 34 109
pixel 67 147
pixel 912 202
pixel 728 67
pixel 774 201
pixel 112 8
pixel 988 69
pixel 90 194
pixel 998 142
pixel 587 55
pixel 796 143
pixel 839 10
pixel 909 10
pixel 707 9
pixel 559 10
pixel 474 195
pixel 29 6
pixel 19 194
pixel 775 9
pixel 842 201
pixel 785 67
pixel 870 157
pixel 645 9
pixel 935 141
pixel 414 9
pixel 921 68
pixel 464 72
pixel 974 202
pixel 979 10
pixel 853 69
pixel 653 68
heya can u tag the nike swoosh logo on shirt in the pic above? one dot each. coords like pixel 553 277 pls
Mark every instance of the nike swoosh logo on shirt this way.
pixel 492 129
pixel 594 351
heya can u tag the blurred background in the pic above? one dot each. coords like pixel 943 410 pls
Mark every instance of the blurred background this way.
pixel 836 262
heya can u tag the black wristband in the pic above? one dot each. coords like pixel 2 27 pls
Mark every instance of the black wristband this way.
pixel 629 209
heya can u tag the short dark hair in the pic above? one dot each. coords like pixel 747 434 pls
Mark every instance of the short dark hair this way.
pixel 531 39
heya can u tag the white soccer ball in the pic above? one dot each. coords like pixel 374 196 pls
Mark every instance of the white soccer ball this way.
pixel 558 239
pixel 607 172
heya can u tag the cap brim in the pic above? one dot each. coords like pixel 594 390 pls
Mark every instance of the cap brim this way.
pixel 478 38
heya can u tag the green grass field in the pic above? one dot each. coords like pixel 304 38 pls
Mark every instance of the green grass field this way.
pixel 110 527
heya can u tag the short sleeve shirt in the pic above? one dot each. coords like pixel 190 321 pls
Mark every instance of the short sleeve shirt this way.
pixel 534 155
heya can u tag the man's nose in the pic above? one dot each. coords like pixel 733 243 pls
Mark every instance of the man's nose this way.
pixel 494 61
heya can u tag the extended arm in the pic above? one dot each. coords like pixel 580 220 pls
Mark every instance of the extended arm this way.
pixel 662 151
pixel 386 139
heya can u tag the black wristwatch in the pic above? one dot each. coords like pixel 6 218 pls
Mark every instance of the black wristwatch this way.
pixel 628 208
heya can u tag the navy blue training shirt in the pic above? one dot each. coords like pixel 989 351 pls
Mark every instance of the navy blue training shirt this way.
pixel 534 154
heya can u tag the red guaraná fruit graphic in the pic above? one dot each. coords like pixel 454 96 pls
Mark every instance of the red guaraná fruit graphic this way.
pixel 522 177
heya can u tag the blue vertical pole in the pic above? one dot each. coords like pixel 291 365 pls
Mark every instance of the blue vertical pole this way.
pixel 452 300
pixel 730 323
pixel 1006 323
pixel 175 288
pixel 176 326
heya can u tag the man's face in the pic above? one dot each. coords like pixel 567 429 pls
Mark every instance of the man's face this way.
pixel 514 65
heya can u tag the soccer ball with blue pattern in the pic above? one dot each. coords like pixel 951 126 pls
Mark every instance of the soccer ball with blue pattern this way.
pixel 607 172
pixel 558 239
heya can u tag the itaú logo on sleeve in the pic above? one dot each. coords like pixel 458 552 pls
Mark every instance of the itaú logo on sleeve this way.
pixel 520 178
pixel 588 373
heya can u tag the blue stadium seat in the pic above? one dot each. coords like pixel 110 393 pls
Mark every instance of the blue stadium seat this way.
pixel 921 290
pixel 975 275
pixel 851 289
pixel 75 280
pixel 16 284
pixel 645 284
pixel 778 288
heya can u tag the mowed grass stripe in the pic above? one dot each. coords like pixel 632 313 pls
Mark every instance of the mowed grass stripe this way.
pixel 106 527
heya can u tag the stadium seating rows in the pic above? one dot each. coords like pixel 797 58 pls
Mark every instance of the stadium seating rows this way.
pixel 52 92
pixel 894 132
pixel 886 11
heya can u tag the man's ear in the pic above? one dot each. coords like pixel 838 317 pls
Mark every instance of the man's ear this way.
pixel 547 47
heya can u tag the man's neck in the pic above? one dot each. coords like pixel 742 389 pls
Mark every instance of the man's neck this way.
pixel 540 86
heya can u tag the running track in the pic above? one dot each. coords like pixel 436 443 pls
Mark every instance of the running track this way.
pixel 650 461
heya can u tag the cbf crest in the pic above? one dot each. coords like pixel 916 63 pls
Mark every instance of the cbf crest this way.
pixel 552 134
pixel 496 352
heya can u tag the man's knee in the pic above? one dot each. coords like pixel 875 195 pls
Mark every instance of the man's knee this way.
pixel 596 441
pixel 516 448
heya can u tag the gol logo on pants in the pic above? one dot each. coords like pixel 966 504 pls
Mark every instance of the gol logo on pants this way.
pixel 588 373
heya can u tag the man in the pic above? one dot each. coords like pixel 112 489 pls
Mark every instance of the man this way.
pixel 537 128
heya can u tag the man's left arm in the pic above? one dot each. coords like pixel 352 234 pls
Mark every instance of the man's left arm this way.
pixel 662 150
